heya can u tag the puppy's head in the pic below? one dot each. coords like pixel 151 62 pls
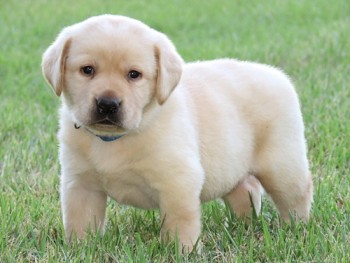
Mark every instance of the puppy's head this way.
pixel 110 70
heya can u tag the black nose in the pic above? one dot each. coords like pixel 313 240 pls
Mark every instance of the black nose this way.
pixel 107 105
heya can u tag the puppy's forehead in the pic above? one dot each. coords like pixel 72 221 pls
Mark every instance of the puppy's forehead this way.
pixel 108 26
pixel 111 33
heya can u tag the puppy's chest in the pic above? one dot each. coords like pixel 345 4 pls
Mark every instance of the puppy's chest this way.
pixel 130 188
pixel 125 180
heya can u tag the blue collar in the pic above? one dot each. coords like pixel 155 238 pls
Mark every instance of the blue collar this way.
pixel 110 138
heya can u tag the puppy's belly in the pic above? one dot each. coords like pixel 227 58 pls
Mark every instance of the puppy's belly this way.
pixel 219 181
pixel 137 194
pixel 227 156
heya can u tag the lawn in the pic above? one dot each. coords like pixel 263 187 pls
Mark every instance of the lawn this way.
pixel 309 40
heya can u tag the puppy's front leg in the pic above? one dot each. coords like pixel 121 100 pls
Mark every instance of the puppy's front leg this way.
pixel 181 219
pixel 82 209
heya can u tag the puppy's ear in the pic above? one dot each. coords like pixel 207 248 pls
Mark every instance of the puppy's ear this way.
pixel 54 63
pixel 169 68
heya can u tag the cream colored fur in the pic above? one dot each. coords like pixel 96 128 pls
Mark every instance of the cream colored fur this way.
pixel 193 132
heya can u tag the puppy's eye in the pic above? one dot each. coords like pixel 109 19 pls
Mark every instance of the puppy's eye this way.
pixel 133 75
pixel 87 70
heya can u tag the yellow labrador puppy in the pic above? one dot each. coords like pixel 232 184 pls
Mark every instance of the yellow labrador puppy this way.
pixel 139 125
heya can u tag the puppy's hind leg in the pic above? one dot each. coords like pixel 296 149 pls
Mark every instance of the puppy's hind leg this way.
pixel 245 196
pixel 284 174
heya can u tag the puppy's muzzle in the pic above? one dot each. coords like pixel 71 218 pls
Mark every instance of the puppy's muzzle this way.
pixel 107 106
pixel 105 119
pixel 107 111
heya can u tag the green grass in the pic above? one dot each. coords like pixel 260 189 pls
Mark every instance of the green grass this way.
pixel 310 40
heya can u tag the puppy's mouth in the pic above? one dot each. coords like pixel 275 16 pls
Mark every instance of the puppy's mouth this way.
pixel 106 129
pixel 106 123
